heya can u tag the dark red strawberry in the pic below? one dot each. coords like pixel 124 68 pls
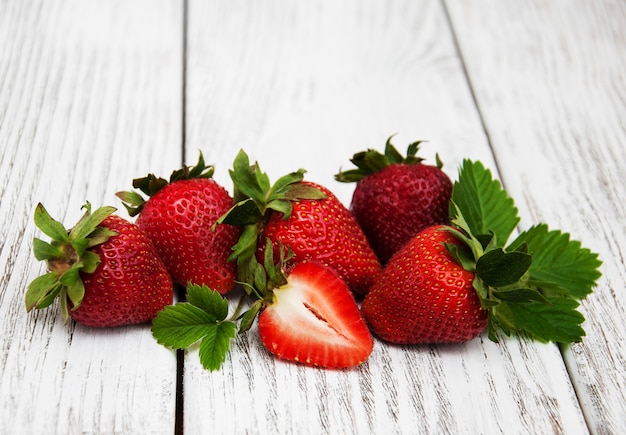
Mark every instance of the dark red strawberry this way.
pixel 313 319
pixel 303 216
pixel 105 271
pixel 180 217
pixel 424 295
pixel 396 197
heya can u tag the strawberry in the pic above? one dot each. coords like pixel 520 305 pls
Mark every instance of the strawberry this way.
pixel 105 271
pixel 396 197
pixel 305 217
pixel 450 282
pixel 313 319
pixel 179 217
pixel 424 296
pixel 323 230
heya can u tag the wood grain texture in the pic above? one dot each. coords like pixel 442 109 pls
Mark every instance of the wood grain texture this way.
pixel 90 97
pixel 549 80
pixel 308 85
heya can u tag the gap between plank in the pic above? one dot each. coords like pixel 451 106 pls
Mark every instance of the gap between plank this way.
pixel 180 354
pixel 459 53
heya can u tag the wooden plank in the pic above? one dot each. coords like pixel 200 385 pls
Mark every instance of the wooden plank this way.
pixel 306 85
pixel 90 97
pixel 549 79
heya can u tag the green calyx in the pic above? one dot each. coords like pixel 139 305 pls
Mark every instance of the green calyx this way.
pixel 371 161
pixel 151 184
pixel 66 255
pixel 256 198
pixel 531 286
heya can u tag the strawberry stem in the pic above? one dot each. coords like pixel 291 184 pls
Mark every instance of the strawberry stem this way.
pixel 372 161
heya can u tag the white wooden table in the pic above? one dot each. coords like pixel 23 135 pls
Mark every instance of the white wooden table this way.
pixel 94 93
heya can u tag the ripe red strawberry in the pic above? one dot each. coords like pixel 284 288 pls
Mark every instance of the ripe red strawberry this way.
pixel 106 271
pixel 179 217
pixel 396 197
pixel 305 217
pixel 324 230
pixel 314 320
pixel 424 295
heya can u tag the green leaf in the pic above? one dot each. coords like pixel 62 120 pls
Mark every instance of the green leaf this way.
pixel 72 275
pixel 275 269
pixel 246 178
pixel 284 183
pixel 50 227
pixel 281 206
pixel 132 201
pixel 90 261
pixel 262 180
pixel 40 288
pixel 76 292
pixel 100 235
pixel 499 269
pixel 301 191
pixel 483 293
pixel 412 149
pixel 370 161
pixel 247 319
pixel 150 185
pixel 247 243
pixel 245 212
pixel 80 246
pixel 391 153
pixel 492 328
pixel 483 202
pixel 461 231
pixel 201 170
pixel 130 198
pixel 520 295
pixel 215 345
pixel 202 318
pixel 210 301
pixel 63 303
pixel 259 275
pixel 89 221
pixel 462 255
pixel 560 265
pixel 49 297
pixel 45 251
pixel 350 176
pixel 556 321
pixel 179 326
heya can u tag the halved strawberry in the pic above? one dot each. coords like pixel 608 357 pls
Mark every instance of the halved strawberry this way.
pixel 314 320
